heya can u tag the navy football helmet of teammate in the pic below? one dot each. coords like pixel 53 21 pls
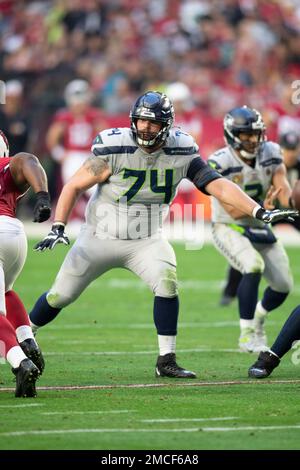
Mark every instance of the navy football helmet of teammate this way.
pixel 153 106
pixel 4 147
pixel 244 120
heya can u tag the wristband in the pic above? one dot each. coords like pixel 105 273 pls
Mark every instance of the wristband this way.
pixel 255 210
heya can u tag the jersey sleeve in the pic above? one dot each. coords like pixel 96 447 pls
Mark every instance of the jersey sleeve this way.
pixel 275 157
pixel 201 174
pixel 219 162
pixel 105 144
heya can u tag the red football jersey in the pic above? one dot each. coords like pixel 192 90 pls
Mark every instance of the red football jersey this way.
pixel 79 130
pixel 9 193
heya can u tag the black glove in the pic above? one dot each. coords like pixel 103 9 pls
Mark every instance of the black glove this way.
pixel 57 235
pixel 277 214
pixel 42 208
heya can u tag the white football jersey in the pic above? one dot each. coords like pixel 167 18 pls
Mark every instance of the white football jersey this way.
pixel 136 197
pixel 254 181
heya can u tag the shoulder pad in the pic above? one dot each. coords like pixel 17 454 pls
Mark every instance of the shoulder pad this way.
pixel 270 154
pixel 220 159
pixel 114 141
pixel 180 143
pixel 273 147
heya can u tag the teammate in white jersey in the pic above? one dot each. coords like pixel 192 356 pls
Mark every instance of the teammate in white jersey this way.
pixel 137 171
pixel 255 164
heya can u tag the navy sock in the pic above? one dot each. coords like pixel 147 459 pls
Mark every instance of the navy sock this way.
pixel 289 333
pixel 42 313
pixel 248 295
pixel 233 279
pixel 165 314
pixel 273 299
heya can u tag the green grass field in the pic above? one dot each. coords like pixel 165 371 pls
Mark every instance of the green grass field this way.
pixel 107 339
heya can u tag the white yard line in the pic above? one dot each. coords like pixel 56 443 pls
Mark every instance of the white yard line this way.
pixel 176 420
pixel 137 430
pixel 27 405
pixel 97 412
pixel 160 385
pixel 252 428
pixel 133 353
pixel 142 326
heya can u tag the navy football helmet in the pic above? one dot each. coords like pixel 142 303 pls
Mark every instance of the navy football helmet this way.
pixel 247 121
pixel 152 106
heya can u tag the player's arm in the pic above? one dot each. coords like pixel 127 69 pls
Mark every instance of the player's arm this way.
pixel 233 212
pixel 93 171
pixel 211 182
pixel 230 195
pixel 26 172
pixel 281 184
pixel 218 161
pixel 53 140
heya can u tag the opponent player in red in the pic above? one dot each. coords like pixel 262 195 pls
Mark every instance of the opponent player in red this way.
pixel 17 342
pixel 70 135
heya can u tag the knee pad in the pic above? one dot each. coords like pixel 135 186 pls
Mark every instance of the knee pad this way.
pixel 255 265
pixel 167 285
pixel 283 284
pixel 57 300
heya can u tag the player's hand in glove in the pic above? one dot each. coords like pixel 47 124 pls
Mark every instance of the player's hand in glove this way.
pixel 42 208
pixel 57 235
pixel 278 214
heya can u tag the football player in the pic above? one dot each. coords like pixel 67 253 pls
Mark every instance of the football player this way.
pixel 290 145
pixel 71 132
pixel 137 171
pixel 17 342
pixel 268 360
pixel 248 244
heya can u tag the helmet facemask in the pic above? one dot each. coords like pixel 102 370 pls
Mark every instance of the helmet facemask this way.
pixel 150 139
pixel 152 106
pixel 247 148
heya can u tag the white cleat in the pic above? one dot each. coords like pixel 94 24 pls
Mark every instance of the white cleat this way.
pixel 247 340
pixel 260 337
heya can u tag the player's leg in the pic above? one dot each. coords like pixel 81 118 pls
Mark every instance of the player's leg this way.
pixel 241 254
pixel 88 258
pixel 268 360
pixel 154 261
pixel 19 319
pixel 24 369
pixel 278 274
pixel 13 257
pixel 232 283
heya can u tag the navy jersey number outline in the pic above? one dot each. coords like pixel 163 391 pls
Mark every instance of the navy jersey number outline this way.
pixel 140 176
pixel 254 190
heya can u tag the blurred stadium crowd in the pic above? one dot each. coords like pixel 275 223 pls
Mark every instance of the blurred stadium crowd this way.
pixel 209 55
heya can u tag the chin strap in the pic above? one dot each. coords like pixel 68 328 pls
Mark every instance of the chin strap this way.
pixel 249 156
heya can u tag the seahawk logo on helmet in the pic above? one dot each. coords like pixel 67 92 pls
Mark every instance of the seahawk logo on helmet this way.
pixel 244 120
pixel 4 147
pixel 153 106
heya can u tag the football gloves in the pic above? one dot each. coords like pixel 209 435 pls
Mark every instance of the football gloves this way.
pixel 42 208
pixel 57 235
pixel 278 214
